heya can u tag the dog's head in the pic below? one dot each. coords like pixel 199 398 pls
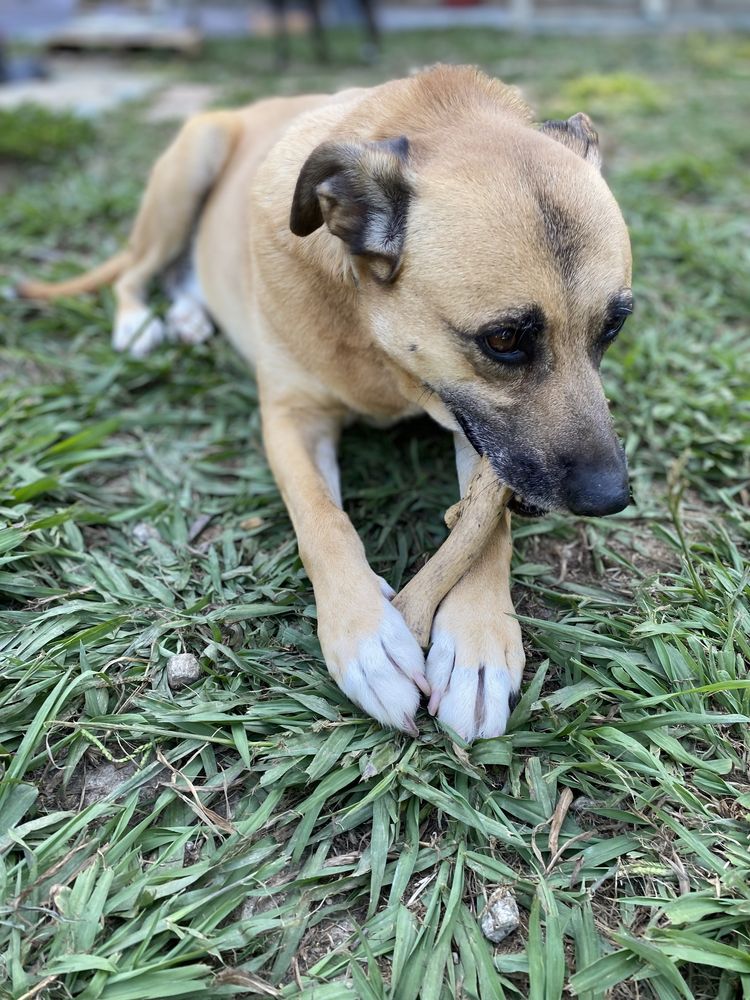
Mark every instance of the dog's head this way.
pixel 496 273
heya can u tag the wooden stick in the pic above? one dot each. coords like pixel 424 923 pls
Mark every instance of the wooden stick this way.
pixel 472 521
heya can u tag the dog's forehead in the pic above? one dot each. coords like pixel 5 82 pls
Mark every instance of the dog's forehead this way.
pixel 519 223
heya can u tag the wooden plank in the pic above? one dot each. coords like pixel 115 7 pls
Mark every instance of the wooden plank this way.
pixel 128 31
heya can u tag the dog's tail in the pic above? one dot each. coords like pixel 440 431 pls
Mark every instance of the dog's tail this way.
pixel 99 276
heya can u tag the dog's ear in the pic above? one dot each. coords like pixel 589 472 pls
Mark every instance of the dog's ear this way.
pixel 361 192
pixel 578 134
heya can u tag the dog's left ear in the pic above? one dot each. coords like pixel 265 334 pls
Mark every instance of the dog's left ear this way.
pixel 360 190
pixel 578 134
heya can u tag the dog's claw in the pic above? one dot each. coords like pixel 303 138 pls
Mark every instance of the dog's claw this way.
pixel 434 702
pixel 423 684
pixel 384 672
pixel 410 726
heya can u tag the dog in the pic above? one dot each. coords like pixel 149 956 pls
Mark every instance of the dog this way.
pixel 416 247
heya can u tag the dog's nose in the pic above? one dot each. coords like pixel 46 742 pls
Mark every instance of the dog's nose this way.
pixel 594 490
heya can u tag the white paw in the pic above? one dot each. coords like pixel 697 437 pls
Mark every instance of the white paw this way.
pixel 188 321
pixel 383 671
pixel 474 679
pixel 138 331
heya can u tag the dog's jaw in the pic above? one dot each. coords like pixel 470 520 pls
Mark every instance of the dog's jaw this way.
pixel 518 505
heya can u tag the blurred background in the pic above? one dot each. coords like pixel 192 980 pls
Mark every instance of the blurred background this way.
pixel 53 52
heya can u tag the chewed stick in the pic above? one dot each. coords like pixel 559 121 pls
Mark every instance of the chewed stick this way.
pixel 472 521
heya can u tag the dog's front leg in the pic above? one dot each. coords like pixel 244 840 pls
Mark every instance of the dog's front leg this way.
pixel 369 651
pixel 476 659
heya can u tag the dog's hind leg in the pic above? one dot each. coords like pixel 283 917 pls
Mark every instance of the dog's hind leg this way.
pixel 179 183
pixel 187 318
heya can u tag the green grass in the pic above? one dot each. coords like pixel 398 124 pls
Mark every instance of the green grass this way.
pixel 261 837
pixel 32 133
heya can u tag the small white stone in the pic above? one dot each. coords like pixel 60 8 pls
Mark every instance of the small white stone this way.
pixel 500 917
pixel 182 669
pixel 143 532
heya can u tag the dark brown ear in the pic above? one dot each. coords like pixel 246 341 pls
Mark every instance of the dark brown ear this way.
pixel 578 134
pixel 360 191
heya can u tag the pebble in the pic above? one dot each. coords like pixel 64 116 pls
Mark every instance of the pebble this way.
pixel 182 669
pixel 143 532
pixel 500 917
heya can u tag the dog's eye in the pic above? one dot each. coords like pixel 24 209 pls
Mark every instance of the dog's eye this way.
pixel 613 328
pixel 505 345
pixel 503 340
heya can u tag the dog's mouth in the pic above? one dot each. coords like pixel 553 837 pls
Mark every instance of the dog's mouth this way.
pixel 525 508
pixel 518 504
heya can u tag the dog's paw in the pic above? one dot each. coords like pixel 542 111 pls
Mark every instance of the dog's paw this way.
pixel 138 331
pixel 474 669
pixel 378 664
pixel 188 321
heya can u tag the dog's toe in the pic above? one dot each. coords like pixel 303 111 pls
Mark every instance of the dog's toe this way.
pixel 138 332
pixel 472 691
pixel 188 321
pixel 386 673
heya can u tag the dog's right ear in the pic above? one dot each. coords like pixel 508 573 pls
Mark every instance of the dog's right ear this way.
pixel 361 192
pixel 578 134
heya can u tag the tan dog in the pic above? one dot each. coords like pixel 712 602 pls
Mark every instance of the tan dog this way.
pixel 417 246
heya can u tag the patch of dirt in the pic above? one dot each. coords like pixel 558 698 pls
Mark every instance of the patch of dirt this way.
pixel 323 938
pixel 572 561
pixel 255 905
pixel 649 554
pixel 28 372
pixel 631 991
pixel 567 559
pixel 91 784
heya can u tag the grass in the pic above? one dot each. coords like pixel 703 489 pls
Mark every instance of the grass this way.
pixel 253 834
pixel 32 133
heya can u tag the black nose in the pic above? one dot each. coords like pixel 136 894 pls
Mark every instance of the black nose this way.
pixel 593 490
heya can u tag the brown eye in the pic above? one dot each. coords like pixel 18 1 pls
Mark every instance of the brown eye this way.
pixel 508 345
pixel 503 341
